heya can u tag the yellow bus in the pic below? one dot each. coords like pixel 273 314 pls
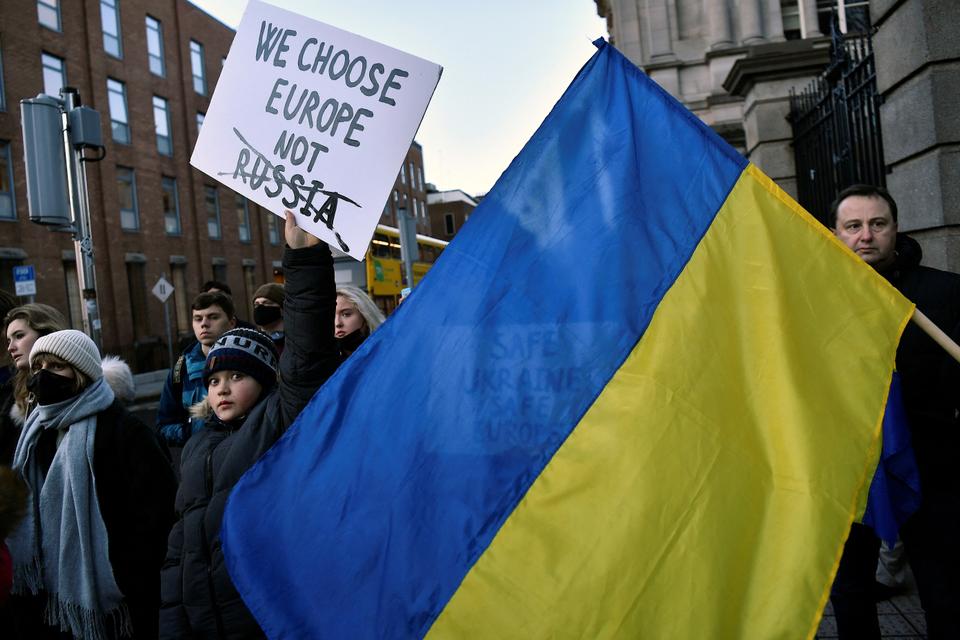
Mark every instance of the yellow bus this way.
pixel 381 274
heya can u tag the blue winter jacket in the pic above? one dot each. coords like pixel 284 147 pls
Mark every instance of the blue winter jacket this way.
pixel 174 424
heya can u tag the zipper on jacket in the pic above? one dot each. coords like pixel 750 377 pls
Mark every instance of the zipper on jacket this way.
pixel 208 483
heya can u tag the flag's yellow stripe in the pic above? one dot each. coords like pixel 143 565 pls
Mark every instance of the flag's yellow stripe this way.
pixel 709 489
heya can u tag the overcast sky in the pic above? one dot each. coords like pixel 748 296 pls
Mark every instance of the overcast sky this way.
pixel 505 65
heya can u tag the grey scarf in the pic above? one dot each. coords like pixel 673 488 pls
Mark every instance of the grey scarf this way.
pixel 60 548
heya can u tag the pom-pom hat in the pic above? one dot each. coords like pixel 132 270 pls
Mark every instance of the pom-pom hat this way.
pixel 245 350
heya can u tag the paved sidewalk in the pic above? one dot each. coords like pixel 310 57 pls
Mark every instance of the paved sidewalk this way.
pixel 900 617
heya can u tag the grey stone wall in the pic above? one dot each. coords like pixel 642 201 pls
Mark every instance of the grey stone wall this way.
pixel 917 48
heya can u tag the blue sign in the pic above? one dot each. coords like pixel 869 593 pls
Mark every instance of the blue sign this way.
pixel 25 280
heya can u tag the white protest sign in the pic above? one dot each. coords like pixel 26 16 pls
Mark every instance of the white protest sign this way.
pixel 314 119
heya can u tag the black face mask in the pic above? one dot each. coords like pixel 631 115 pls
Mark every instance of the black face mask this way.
pixel 264 315
pixel 351 342
pixel 49 388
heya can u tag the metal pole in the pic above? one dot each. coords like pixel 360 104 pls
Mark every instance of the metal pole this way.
pixel 408 254
pixel 80 214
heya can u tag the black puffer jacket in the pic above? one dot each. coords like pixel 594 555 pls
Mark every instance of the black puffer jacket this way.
pixel 198 597
pixel 931 378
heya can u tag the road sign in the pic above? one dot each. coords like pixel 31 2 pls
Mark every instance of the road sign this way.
pixel 162 289
pixel 25 280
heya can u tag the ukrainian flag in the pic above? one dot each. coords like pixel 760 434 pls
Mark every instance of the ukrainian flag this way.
pixel 640 395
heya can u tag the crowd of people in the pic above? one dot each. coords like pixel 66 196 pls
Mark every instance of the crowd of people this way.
pixel 101 538
pixel 111 526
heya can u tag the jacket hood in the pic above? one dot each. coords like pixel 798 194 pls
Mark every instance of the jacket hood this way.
pixel 909 253
pixel 118 375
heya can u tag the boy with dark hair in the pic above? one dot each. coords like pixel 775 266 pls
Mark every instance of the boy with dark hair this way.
pixel 213 315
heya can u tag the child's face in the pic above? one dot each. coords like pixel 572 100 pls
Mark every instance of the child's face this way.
pixel 232 394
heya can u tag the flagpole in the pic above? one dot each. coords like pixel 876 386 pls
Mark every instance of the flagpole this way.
pixel 937 334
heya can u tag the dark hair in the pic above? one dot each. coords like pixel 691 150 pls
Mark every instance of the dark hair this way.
pixel 216 284
pixel 865 190
pixel 216 298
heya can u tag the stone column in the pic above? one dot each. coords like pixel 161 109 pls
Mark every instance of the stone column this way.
pixel 918 73
pixel 808 19
pixel 751 22
pixel 658 29
pixel 764 79
pixel 719 31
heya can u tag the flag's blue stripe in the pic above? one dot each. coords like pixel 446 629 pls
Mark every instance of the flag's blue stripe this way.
pixel 366 516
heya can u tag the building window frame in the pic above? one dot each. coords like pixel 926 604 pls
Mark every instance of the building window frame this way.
pixel 161 122
pixel 51 64
pixel 7 193
pixel 243 218
pixel 212 197
pixel 448 224
pixel 119 116
pixel 129 215
pixel 273 230
pixel 170 196
pixel 49 7
pixel 155 50
pixel 112 42
pixel 198 68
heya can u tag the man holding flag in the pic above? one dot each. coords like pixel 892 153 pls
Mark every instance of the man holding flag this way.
pixel 864 218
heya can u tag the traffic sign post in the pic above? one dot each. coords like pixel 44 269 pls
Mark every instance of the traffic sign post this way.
pixel 25 281
pixel 162 291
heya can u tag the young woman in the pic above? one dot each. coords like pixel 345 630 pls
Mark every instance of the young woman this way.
pixel 247 408
pixel 356 318
pixel 100 502
pixel 22 326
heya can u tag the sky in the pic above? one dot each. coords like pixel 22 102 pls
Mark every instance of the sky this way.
pixel 505 64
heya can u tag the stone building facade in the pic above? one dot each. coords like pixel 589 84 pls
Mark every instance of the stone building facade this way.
pixel 448 212
pixel 734 63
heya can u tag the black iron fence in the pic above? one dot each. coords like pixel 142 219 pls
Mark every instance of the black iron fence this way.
pixel 836 126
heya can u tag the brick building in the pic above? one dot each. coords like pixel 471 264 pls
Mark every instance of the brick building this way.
pixel 409 192
pixel 149 68
pixel 448 211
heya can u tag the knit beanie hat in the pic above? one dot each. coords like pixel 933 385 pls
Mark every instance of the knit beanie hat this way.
pixel 245 350
pixel 73 347
pixel 271 291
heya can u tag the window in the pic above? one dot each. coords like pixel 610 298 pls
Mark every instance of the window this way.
pixel 403 174
pixel 110 22
pixel 137 290
pixel 200 116
pixel 127 197
pixel 155 47
pixel 219 269
pixel 273 230
pixel 117 98
pixel 3 97
pixel 423 185
pixel 178 271
pixel 74 300
pixel 196 64
pixel 448 223
pixel 243 217
pixel 171 206
pixel 54 77
pixel 396 197
pixel 161 120
pixel 212 205
pixel 413 176
pixel 48 12
pixel 855 17
pixel 8 203
pixel 790 16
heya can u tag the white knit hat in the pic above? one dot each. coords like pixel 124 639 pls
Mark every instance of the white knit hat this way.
pixel 73 347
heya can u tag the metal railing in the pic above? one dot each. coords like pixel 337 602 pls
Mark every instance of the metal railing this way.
pixel 836 126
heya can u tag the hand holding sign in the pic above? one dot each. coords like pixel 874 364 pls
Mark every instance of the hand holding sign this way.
pixel 313 119
pixel 297 238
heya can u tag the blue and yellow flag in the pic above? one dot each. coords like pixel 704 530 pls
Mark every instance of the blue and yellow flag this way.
pixel 639 395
